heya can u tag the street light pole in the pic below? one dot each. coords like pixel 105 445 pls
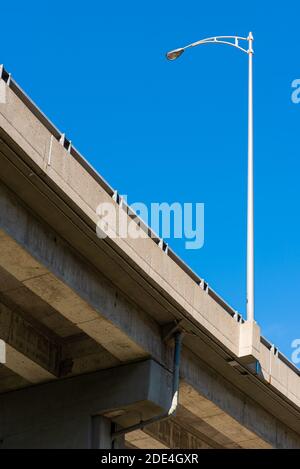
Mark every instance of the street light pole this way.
pixel 250 192
pixel 235 42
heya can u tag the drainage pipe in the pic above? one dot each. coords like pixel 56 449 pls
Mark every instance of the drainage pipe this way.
pixel 175 391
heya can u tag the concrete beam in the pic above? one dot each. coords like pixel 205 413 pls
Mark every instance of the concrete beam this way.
pixel 232 413
pixel 190 430
pixel 29 352
pixel 46 266
pixel 26 368
pixel 2 351
pixel 176 435
pixel 81 354
pixel 38 355
pixel 16 261
pixel 219 425
pixel 142 440
pixel 211 436
pixel 178 432
pixel 29 416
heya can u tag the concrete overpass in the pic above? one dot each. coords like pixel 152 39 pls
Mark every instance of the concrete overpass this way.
pixel 86 324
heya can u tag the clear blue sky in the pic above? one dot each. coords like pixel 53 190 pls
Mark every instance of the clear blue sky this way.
pixel 161 131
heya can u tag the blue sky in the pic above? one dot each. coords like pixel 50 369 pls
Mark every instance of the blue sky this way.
pixel 161 131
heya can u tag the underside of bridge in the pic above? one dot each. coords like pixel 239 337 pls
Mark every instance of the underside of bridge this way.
pixel 87 324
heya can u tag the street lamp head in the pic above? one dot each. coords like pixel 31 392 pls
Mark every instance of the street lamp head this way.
pixel 174 54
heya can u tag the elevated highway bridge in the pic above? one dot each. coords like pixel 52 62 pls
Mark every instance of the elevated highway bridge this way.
pixel 87 325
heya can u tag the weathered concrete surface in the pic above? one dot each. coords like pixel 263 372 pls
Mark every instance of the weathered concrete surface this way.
pixel 2 351
pixel 142 440
pixel 66 179
pixel 72 303
pixel 101 434
pixel 83 296
pixel 168 434
pixel 19 334
pixel 103 302
pixel 30 417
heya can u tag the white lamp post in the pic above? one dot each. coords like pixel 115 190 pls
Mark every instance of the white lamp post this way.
pixel 235 42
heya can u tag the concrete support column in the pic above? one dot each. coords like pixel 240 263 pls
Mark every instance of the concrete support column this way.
pixel 70 431
pixel 101 433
